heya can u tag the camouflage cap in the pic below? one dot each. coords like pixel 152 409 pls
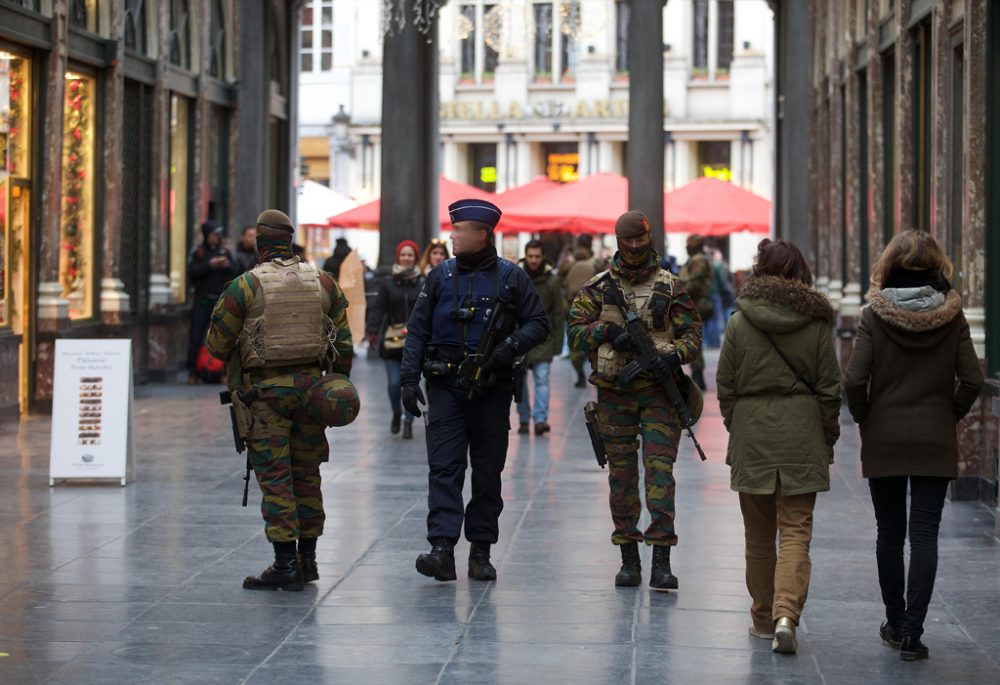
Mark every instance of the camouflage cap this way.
pixel 272 218
pixel 333 400
pixel 631 224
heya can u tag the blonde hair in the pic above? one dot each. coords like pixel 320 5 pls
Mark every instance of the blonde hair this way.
pixel 425 258
pixel 914 251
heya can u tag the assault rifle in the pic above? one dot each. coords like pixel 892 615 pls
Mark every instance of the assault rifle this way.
pixel 239 400
pixel 647 356
pixel 471 374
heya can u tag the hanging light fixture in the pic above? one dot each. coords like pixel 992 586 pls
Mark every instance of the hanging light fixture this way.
pixel 569 17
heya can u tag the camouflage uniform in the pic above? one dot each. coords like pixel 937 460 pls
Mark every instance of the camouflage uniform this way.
pixel 697 277
pixel 287 443
pixel 641 408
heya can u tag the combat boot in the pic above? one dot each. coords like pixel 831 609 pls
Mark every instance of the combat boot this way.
pixel 480 567
pixel 439 563
pixel 660 578
pixel 283 574
pixel 630 574
pixel 307 560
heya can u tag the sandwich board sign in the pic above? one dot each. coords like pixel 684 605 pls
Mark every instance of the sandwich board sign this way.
pixel 93 431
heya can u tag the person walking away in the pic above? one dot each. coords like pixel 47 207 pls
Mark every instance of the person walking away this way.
pixel 246 250
pixel 585 265
pixel 475 315
pixel 435 253
pixel 210 266
pixel 779 391
pixel 697 277
pixel 912 377
pixel 332 264
pixel 397 294
pixel 282 327
pixel 539 358
pixel 640 407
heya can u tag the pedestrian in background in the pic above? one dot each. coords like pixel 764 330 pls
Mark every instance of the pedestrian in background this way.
pixel 721 295
pixel 246 250
pixel 210 266
pixel 584 267
pixel 340 251
pixel 387 330
pixel 913 343
pixel 697 277
pixel 435 253
pixel 539 359
pixel 779 391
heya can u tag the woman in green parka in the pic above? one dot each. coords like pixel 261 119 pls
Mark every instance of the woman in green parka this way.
pixel 779 391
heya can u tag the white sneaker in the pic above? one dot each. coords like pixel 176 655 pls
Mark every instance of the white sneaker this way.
pixel 784 637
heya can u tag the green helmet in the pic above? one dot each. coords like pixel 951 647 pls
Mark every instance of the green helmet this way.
pixel 333 400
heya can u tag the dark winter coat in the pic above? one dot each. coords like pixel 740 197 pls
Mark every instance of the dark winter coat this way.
pixel 901 384
pixel 393 304
pixel 551 294
pixel 209 281
pixel 779 430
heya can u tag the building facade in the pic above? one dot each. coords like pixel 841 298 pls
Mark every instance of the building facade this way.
pixel 900 131
pixel 124 124
pixel 530 88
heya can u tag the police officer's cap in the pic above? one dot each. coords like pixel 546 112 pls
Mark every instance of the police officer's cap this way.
pixel 272 218
pixel 475 210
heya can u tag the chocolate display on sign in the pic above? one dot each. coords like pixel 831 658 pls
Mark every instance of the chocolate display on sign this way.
pixel 89 412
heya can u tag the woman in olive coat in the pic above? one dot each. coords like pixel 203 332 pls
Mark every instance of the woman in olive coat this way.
pixel 913 344
pixel 779 391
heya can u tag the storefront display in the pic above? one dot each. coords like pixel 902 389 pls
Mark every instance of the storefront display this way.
pixel 77 239
pixel 180 145
pixel 15 156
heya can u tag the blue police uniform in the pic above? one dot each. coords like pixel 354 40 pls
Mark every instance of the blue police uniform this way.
pixel 449 319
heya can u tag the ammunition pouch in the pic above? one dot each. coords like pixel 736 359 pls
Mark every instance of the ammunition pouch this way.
pixel 241 409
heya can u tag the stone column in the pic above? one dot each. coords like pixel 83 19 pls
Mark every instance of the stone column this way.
pixel 409 139
pixel 876 142
pixel 905 157
pixel 160 292
pixel 645 118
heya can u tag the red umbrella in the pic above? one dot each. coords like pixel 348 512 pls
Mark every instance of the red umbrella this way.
pixel 590 205
pixel 368 214
pixel 711 207
pixel 538 186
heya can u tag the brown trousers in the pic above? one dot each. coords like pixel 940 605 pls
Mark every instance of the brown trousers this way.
pixel 778 582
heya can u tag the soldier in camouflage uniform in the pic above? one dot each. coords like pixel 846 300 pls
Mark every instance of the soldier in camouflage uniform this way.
pixel 697 277
pixel 641 408
pixel 282 325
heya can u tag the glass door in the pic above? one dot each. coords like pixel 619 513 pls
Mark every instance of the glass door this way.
pixel 15 204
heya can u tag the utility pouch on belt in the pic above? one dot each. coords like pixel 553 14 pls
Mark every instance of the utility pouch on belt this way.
pixel 590 415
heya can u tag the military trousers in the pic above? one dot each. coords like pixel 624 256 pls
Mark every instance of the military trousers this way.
pixel 622 418
pixel 286 448
pixel 462 431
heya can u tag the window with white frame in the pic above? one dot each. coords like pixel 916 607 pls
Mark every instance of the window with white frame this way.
pixel 478 28
pixel 317 36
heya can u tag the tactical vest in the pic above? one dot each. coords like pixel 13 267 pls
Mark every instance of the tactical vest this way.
pixel 470 294
pixel 287 323
pixel 651 300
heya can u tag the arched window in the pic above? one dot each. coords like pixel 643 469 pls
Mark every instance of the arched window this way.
pixel 217 37
pixel 180 43
pixel 83 14
pixel 136 38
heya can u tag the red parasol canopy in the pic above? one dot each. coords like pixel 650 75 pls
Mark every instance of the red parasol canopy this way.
pixel 711 207
pixel 368 214
pixel 590 205
pixel 538 186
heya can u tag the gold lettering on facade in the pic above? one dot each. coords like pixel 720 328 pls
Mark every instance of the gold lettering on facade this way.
pixel 491 110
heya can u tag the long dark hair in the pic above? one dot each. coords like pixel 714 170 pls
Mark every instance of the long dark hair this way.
pixel 781 258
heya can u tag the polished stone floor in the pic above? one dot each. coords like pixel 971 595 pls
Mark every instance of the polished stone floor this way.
pixel 103 584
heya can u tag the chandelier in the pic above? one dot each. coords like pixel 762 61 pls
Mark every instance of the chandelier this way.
pixel 569 18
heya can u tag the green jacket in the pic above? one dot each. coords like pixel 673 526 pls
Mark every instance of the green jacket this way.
pixel 778 431
pixel 551 293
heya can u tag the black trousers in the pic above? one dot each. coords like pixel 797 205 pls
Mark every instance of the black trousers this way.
pixel 459 431
pixel 201 318
pixel 926 502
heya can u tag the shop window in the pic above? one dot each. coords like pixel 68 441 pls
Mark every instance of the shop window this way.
pixel 218 165
pixel 922 122
pixel 543 41
pixel 724 52
pixel 76 253
pixel 179 200
pixel 699 38
pixel 217 39
pixel 15 149
pixel 621 36
pixel 179 38
pixel 562 161
pixel 715 159
pixel 483 158
pixel 135 26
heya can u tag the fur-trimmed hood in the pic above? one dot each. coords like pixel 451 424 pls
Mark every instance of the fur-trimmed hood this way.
pixel 781 305
pixel 908 321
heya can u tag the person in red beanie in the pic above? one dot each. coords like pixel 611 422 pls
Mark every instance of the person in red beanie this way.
pixel 387 325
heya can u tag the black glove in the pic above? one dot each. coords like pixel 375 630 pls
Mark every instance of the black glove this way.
pixel 664 366
pixel 413 397
pixel 503 355
pixel 618 337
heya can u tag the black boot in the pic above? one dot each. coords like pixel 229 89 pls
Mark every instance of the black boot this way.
pixel 630 574
pixel 408 430
pixel 394 425
pixel 480 567
pixel 283 574
pixel 660 578
pixel 439 563
pixel 699 378
pixel 911 649
pixel 307 560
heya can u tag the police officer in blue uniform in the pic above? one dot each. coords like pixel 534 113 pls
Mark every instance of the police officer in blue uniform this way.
pixel 469 389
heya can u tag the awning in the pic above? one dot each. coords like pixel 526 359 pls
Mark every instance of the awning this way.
pixel 710 207
pixel 316 202
pixel 590 205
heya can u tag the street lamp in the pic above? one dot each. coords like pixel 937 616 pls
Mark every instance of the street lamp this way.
pixel 341 124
